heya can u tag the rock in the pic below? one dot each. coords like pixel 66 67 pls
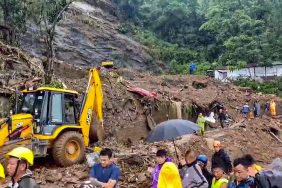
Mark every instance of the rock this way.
pixel 87 35
pixel 141 177
pixel 81 175
pixel 73 179
pixel 53 176
pixel 132 179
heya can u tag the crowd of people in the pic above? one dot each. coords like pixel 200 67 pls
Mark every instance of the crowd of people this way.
pixel 248 112
pixel 255 111
pixel 192 171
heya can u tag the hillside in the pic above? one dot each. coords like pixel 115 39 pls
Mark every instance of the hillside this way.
pixel 89 33
pixel 128 117
pixel 146 39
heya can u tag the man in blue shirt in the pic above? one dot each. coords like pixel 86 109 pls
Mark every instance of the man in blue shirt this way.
pixel 241 173
pixel 105 174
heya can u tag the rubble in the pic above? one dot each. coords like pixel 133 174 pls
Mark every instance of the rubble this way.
pixel 128 118
pixel 126 122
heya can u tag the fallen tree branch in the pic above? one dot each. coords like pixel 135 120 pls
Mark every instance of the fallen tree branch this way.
pixel 278 139
pixel 237 124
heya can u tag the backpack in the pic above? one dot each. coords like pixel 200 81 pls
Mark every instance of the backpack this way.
pixel 271 178
pixel 268 179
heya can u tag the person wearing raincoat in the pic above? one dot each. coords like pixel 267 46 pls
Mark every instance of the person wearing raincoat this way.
pixel 169 176
pixel 273 108
pixel 201 122
pixel 161 159
pixel 2 174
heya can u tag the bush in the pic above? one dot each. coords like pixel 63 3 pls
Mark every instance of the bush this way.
pixel 176 56
pixel 269 87
pixel 55 84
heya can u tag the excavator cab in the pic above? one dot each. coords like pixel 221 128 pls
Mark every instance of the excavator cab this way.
pixel 49 121
pixel 50 109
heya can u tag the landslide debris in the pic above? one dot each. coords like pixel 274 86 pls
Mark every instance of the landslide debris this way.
pixel 130 116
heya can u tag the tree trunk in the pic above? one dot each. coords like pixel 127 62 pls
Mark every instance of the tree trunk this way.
pixel 50 58
pixel 50 33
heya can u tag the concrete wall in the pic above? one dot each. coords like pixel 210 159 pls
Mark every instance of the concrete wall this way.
pixel 253 72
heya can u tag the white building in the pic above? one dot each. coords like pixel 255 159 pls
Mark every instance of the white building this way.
pixel 252 71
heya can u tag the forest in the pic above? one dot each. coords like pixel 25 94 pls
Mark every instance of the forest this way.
pixel 207 32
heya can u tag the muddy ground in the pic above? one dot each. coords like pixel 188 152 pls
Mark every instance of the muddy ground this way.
pixel 128 117
pixel 127 123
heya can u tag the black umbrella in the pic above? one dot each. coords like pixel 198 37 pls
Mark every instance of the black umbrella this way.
pixel 171 129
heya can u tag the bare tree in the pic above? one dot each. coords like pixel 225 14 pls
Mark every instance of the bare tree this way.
pixel 48 27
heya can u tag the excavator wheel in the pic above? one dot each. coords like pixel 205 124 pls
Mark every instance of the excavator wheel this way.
pixel 69 149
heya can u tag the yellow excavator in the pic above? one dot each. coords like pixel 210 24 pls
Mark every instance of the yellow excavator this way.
pixel 50 121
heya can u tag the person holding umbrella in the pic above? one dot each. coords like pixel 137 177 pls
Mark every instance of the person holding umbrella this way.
pixel 192 175
pixel 170 130
pixel 161 159
pixel 169 176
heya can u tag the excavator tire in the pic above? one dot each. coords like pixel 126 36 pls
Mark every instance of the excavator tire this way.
pixel 69 149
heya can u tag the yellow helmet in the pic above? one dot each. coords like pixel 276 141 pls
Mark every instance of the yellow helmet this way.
pixel 22 153
pixel 2 173
pixel 97 149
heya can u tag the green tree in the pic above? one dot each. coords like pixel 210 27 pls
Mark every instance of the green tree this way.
pixel 14 13
pixel 242 31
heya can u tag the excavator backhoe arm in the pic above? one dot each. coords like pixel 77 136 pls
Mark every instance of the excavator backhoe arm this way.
pixel 92 102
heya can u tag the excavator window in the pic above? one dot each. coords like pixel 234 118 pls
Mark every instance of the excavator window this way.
pixel 62 109
pixel 28 102
pixel 56 108
pixel 69 109
pixel 32 102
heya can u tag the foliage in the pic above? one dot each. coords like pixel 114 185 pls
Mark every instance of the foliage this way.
pixel 177 56
pixel 179 32
pixel 225 32
pixel 47 13
pixel 268 87
pixel 55 84
pixel 42 11
pixel 13 14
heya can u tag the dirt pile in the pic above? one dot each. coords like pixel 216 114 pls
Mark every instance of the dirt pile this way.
pixel 129 117
pixel 17 67
pixel 17 71
pixel 126 120
pixel 248 137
